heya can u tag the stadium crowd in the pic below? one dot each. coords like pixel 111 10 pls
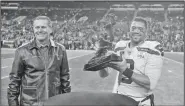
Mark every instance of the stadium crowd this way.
pixel 81 29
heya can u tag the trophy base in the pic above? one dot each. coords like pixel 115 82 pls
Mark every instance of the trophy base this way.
pixel 90 99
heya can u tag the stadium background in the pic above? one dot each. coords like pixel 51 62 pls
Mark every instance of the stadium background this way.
pixel 78 25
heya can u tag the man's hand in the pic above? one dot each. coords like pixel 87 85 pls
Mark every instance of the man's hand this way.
pixel 103 73
pixel 119 66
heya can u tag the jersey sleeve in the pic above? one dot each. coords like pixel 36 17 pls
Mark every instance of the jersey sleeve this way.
pixel 154 67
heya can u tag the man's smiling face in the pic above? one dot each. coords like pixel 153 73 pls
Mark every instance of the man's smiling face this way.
pixel 41 29
pixel 137 31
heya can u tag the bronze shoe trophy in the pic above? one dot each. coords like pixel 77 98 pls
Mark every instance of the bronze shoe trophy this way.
pixel 100 60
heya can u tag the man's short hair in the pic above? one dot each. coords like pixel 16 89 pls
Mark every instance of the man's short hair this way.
pixel 43 18
pixel 141 19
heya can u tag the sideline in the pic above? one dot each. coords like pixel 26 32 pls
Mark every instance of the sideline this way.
pixel 173 61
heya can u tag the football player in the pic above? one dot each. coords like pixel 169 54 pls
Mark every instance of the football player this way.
pixel 140 70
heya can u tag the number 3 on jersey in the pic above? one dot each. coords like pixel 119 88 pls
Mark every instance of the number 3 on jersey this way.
pixel 130 62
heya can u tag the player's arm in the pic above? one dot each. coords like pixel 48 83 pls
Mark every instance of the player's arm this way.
pixel 152 73
pixel 152 70
pixel 15 80
pixel 141 80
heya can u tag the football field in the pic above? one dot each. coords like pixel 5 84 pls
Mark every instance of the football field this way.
pixel 169 91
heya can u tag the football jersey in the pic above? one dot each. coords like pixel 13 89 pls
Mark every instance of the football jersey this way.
pixel 145 59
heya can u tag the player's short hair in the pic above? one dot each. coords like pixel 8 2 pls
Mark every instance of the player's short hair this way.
pixel 141 19
pixel 43 18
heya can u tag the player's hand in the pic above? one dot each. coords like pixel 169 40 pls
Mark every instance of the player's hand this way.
pixel 119 66
pixel 103 73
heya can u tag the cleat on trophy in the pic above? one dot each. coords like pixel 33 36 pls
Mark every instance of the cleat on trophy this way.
pixel 100 60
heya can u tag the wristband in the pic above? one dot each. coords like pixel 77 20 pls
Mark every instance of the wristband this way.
pixel 128 73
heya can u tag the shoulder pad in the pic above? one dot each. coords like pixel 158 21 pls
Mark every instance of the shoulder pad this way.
pixel 159 47
pixel 121 45
pixel 148 50
pixel 152 47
